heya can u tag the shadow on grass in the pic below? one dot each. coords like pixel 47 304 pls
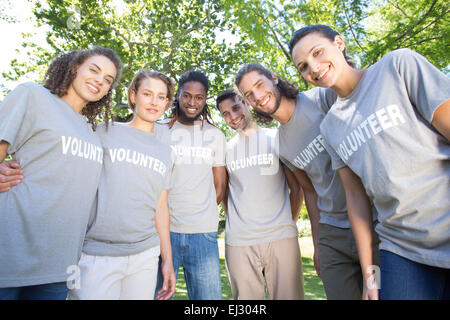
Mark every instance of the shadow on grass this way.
pixel 313 284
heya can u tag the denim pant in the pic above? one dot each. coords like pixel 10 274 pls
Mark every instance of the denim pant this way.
pixel 198 254
pixel 49 291
pixel 403 279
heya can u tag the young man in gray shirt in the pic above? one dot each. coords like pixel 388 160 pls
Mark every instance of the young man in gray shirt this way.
pixel 262 249
pixel 302 150
pixel 198 185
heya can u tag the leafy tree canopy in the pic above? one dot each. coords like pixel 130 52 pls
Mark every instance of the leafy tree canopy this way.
pixel 217 37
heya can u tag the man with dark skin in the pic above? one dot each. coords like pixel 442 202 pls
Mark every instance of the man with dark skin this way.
pixel 198 185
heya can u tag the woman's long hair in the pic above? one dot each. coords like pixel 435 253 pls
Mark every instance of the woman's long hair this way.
pixel 63 70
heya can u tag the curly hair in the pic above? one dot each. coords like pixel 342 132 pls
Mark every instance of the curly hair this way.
pixel 63 70
pixel 189 76
pixel 145 74
pixel 286 89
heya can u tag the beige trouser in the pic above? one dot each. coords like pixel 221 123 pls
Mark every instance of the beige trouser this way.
pixel 273 265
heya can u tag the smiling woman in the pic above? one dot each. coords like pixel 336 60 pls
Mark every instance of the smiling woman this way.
pixel 41 240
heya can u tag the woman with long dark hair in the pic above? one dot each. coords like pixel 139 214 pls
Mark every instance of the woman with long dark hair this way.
pixel 389 132
pixel 49 131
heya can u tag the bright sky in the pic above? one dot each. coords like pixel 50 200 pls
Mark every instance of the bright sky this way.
pixel 12 37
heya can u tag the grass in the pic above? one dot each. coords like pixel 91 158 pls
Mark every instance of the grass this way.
pixel 313 284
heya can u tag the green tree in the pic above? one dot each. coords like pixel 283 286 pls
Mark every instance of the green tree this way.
pixel 217 37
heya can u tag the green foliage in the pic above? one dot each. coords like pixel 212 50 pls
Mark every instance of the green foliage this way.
pixel 218 37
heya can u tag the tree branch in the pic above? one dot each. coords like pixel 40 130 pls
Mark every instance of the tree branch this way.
pixel 350 26
pixel 287 55
pixel 411 29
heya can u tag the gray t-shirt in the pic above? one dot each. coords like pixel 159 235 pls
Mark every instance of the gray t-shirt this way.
pixel 259 209
pixel 136 169
pixel 302 147
pixel 382 132
pixel 192 198
pixel 43 220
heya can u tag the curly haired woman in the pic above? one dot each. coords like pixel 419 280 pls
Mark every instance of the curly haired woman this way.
pixel 49 131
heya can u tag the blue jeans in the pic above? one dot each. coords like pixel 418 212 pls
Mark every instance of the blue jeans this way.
pixel 198 254
pixel 403 279
pixel 49 291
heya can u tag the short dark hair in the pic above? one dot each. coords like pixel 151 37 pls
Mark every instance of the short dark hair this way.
pixel 287 89
pixel 229 93
pixel 324 30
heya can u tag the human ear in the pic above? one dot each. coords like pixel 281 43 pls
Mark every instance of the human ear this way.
pixel 275 78
pixel 339 42
pixel 133 97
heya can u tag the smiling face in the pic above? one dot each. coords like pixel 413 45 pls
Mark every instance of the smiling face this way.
pixel 93 79
pixel 192 100
pixel 236 113
pixel 319 60
pixel 261 92
pixel 150 100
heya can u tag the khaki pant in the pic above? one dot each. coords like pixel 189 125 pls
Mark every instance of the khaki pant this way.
pixel 339 262
pixel 273 265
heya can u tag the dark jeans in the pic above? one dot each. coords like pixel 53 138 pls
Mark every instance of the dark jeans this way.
pixel 403 279
pixel 49 291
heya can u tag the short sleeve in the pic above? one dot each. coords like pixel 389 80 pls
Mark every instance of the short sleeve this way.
pixel 426 85
pixel 287 164
pixel 220 152
pixel 13 110
pixel 326 97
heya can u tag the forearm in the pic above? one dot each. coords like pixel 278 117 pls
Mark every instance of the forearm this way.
pixel 313 214
pixel 162 223
pixel 296 200
pixel 220 182
pixel 360 216
pixel 3 150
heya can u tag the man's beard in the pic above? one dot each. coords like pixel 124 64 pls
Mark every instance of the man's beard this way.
pixel 277 95
pixel 185 118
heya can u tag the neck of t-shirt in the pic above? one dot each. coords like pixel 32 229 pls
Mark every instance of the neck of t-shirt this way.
pixel 285 111
pixel 251 129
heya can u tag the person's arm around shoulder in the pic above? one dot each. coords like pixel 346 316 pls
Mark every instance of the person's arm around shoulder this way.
pixel 311 198
pixel 10 173
pixel 295 194
pixel 441 119
pixel 162 223
pixel 360 216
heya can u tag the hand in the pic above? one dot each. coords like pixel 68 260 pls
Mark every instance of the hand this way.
pixel 370 289
pixel 168 288
pixel 370 294
pixel 10 175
